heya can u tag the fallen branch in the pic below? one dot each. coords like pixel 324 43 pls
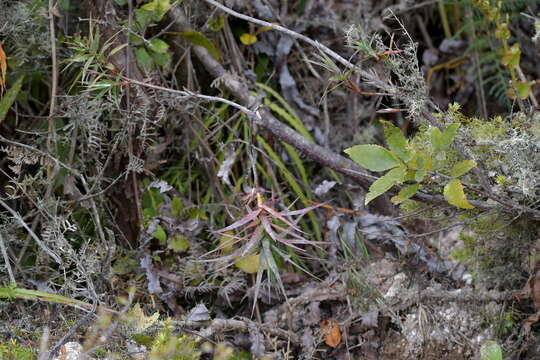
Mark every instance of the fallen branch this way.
pixel 219 326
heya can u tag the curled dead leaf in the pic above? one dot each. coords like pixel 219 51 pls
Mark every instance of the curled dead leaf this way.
pixel 331 332
pixel 3 68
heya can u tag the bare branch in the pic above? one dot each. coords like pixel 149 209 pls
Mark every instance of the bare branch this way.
pixel 41 244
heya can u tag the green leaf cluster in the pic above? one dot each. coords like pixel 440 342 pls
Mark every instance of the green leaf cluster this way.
pixel 410 166
pixel 154 52
pixel 13 350
pixel 167 345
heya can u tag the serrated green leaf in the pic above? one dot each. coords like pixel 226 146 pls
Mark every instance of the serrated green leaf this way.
pixel 454 194
pixel 196 38
pixel 163 60
pixel 490 350
pixel 405 193
pixel 389 128
pixel 435 138
pixel 462 167
pixel 397 143
pixel 154 10
pixel 160 234
pixel 144 60
pixel 449 134
pixel 373 157
pixel 158 46
pixel 143 17
pixel 9 98
pixel 384 183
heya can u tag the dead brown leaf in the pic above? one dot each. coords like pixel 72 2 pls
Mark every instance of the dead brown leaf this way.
pixel 331 332
pixel 3 68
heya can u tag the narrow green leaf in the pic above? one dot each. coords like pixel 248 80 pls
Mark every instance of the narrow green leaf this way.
pixel 196 38
pixel 117 49
pixel 462 167
pixel 405 193
pixel 298 162
pixel 293 184
pixel 373 157
pixel 9 98
pixel 384 183
pixel 27 294
pixel 292 119
pixel 454 194
pixel 286 111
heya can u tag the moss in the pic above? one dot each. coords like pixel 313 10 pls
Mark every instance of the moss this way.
pixel 13 350
pixel 170 346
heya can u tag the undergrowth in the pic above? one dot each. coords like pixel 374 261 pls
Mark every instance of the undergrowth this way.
pixel 190 201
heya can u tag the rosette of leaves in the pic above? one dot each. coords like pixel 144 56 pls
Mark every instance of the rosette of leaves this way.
pixel 261 240
pixel 409 166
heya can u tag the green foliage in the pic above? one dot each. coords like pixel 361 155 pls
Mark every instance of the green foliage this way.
pixel 197 38
pixel 454 194
pixel 154 11
pixel 373 157
pixel 498 58
pixel 471 249
pixel 406 162
pixel 13 292
pixel 155 52
pixel 92 56
pixel 385 183
pixel 13 350
pixel 490 350
pixel 9 98
pixel 167 345
pixel 136 322
pixel 507 150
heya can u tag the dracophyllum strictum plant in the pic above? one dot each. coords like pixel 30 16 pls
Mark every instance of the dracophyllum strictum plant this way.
pixel 264 232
